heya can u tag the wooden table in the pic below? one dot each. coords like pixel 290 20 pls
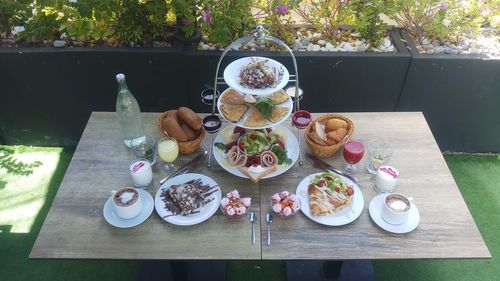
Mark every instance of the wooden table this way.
pixel 75 227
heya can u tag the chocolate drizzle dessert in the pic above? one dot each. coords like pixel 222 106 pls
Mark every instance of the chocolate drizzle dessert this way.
pixel 184 199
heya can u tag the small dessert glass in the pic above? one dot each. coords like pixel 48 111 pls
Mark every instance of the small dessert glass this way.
pixel 378 153
pixel 145 148
pixel 282 206
pixel 235 215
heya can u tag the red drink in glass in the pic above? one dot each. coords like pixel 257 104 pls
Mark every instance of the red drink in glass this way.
pixel 353 153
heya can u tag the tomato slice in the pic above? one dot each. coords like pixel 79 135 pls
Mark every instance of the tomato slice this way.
pixel 349 191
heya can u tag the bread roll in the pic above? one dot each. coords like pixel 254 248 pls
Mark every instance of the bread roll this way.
pixel 320 131
pixel 316 138
pixel 190 133
pixel 173 128
pixel 173 114
pixel 337 135
pixel 334 123
pixel 189 117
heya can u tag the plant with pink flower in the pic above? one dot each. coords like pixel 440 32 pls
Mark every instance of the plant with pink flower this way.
pixel 282 9
pixel 443 6
pixel 233 205
pixel 285 204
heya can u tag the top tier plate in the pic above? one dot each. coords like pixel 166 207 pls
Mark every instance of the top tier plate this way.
pixel 232 76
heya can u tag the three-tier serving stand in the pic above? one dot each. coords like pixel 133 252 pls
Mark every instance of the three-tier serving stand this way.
pixel 260 34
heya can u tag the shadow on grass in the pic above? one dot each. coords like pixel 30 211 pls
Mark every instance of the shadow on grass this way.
pixel 3 184
pixel 16 247
pixel 14 166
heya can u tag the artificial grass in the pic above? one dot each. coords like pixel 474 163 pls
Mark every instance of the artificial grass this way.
pixel 29 180
pixel 478 178
pixel 27 188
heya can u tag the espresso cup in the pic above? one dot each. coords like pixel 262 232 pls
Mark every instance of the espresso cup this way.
pixel 396 208
pixel 127 202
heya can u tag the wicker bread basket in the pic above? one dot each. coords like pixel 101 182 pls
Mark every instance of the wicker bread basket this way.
pixel 185 147
pixel 328 150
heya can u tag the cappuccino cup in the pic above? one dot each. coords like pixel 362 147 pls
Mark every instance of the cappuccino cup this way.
pixel 127 202
pixel 396 208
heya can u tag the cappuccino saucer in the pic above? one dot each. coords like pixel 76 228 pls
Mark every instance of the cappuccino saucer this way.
pixel 375 209
pixel 113 219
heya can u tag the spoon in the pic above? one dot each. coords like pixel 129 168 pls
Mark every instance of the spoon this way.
pixel 269 219
pixel 252 220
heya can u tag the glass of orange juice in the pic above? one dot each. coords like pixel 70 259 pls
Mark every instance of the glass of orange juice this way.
pixel 168 150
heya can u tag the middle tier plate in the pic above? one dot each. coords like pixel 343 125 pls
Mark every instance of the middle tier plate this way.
pixel 291 147
pixel 231 112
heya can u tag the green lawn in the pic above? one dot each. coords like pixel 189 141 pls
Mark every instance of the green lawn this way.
pixel 30 177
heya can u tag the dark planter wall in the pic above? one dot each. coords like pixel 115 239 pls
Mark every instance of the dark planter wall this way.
pixel 459 96
pixel 47 95
pixel 336 82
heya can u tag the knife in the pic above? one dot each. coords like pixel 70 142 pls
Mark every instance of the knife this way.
pixel 322 165
pixel 192 164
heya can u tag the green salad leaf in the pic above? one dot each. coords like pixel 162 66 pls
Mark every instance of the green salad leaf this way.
pixel 265 105
pixel 332 180
pixel 255 142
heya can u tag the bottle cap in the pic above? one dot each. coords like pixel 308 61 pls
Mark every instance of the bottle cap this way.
pixel 120 76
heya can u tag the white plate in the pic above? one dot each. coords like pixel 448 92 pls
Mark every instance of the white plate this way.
pixel 113 219
pixel 232 76
pixel 292 148
pixel 288 104
pixel 342 217
pixel 376 206
pixel 204 213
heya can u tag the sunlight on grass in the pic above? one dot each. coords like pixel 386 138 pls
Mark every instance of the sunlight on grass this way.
pixel 24 195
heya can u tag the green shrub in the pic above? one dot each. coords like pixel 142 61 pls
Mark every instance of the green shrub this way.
pixel 91 20
pixel 139 19
pixel 277 17
pixel 13 12
pixel 327 15
pixel 368 22
pixel 226 20
pixel 187 13
pixel 446 20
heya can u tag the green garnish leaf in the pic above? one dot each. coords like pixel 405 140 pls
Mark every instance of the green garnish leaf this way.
pixel 281 154
pixel 221 146
pixel 265 105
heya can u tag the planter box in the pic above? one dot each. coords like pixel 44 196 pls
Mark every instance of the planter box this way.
pixel 47 95
pixel 332 81
pixel 459 95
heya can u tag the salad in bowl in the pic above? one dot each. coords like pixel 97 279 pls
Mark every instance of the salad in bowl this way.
pixel 255 153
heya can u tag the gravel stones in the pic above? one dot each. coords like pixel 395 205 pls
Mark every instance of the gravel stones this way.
pixel 307 40
pixel 487 43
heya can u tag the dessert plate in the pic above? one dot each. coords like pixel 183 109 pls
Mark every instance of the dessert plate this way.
pixel 376 206
pixel 204 213
pixel 113 219
pixel 288 104
pixel 342 217
pixel 292 148
pixel 232 76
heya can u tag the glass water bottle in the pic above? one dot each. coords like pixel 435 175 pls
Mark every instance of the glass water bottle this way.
pixel 129 113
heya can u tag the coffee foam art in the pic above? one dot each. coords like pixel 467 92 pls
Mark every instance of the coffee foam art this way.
pixel 398 203
pixel 126 197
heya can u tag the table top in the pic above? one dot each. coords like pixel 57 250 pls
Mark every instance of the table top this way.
pixel 76 229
